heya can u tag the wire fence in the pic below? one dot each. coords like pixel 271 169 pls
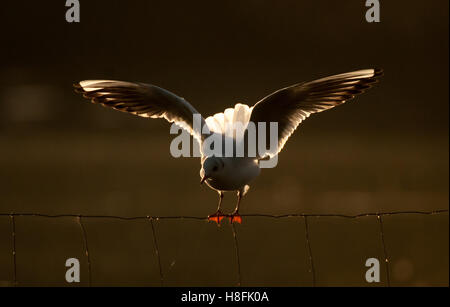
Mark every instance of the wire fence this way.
pixel 80 217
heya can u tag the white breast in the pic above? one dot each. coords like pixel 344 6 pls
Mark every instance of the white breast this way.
pixel 236 173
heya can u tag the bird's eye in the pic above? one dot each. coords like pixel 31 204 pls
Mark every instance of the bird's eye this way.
pixel 215 169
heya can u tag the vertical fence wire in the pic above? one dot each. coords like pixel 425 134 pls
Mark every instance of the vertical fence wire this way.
pixel 155 243
pixel 385 254
pixel 238 259
pixel 310 254
pixel 13 238
pixel 86 249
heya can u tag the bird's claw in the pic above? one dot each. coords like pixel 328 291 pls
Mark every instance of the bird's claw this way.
pixel 235 217
pixel 216 217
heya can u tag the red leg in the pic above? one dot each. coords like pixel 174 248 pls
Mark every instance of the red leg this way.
pixel 218 215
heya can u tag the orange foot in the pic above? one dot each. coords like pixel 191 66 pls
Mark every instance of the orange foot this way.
pixel 216 217
pixel 235 218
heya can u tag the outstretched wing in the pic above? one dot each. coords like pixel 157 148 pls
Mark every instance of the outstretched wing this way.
pixel 143 100
pixel 291 105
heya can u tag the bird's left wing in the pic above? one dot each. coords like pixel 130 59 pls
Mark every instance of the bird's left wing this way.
pixel 291 105
pixel 143 100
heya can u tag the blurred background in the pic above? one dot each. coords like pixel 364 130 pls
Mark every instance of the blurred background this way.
pixel 385 151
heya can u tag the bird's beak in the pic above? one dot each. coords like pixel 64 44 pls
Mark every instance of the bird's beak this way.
pixel 203 179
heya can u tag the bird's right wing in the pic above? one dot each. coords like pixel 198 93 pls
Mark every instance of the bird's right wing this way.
pixel 143 100
pixel 291 105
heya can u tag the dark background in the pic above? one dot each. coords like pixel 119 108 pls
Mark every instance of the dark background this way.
pixel 385 151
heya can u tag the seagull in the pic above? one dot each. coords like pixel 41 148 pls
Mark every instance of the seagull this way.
pixel 287 107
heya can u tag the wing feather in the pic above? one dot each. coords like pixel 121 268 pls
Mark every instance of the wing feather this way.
pixel 292 105
pixel 141 99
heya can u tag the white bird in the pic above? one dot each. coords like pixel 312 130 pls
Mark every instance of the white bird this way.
pixel 288 107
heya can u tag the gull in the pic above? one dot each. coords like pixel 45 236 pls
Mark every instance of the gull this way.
pixel 287 107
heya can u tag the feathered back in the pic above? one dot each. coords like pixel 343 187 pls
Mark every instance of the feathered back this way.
pixel 231 118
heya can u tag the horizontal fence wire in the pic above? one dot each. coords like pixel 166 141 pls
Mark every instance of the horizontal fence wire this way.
pixel 151 219
pixel 180 217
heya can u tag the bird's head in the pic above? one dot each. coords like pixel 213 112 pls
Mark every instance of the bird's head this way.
pixel 211 168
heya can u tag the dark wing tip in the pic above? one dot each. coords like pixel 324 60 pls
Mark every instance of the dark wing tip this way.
pixel 78 88
pixel 378 72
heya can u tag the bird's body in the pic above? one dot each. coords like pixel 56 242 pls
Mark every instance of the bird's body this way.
pixel 287 107
pixel 237 173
